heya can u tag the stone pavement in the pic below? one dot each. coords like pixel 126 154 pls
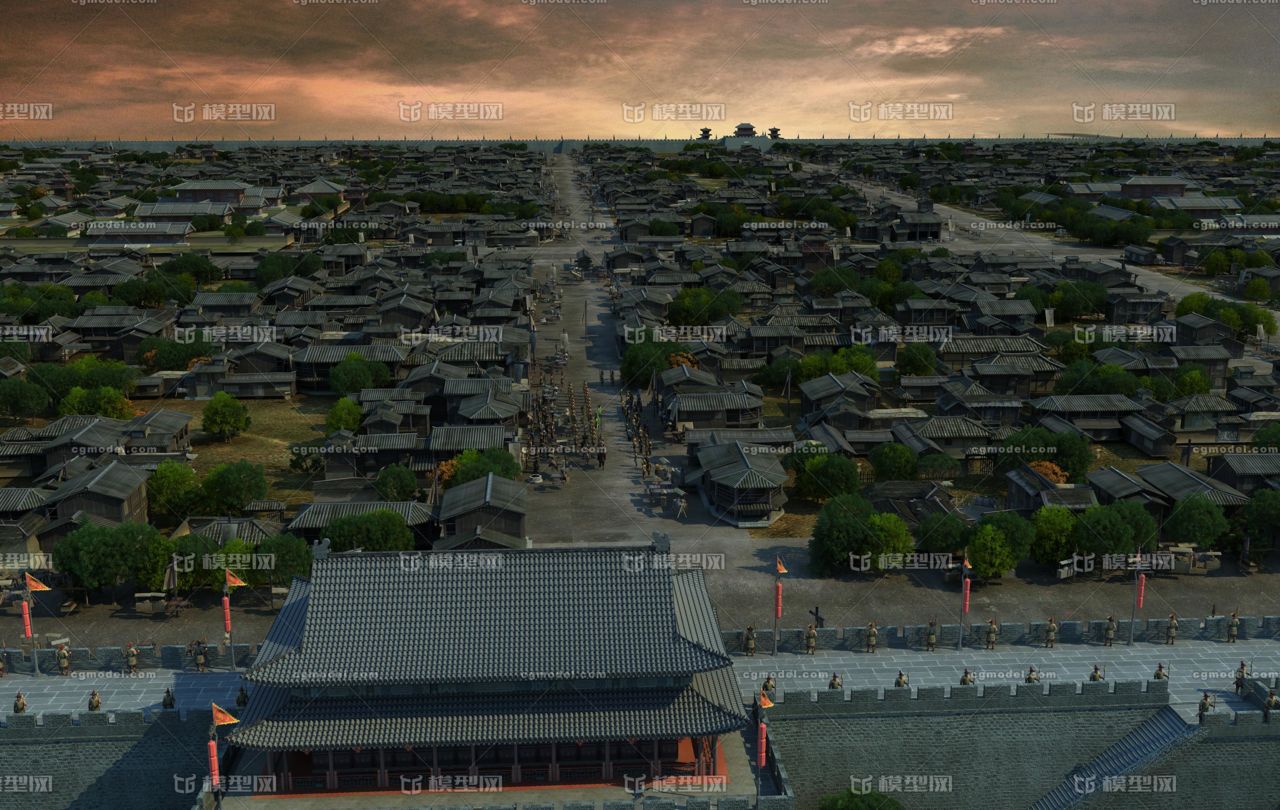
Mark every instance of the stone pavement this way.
pixel 1194 667
pixel 193 691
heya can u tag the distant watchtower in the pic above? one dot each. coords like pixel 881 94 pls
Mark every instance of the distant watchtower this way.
pixel 774 133
pixel 744 131
pixel 705 134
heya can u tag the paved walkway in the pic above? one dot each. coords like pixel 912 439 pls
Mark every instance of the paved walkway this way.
pixel 1194 667
pixel 193 691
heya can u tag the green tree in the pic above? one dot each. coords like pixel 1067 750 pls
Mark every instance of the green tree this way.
pixel 645 358
pixel 172 492
pixel 1102 530
pixel 1019 533
pixel 20 399
pixel 473 464
pixel 344 415
pixel 195 552
pixel 161 354
pixel 942 532
pixel 894 462
pixel 891 537
pixel 842 528
pixel 379 530
pixel 916 359
pixel 826 476
pixel 1054 534
pixel 396 482
pixel 1268 437
pixel 938 465
pixel 1257 290
pixel 228 488
pixel 1259 519
pixel 697 306
pixel 290 557
pixel 101 401
pixel 1196 521
pixel 855 358
pixel 1217 263
pixel 191 264
pixel 224 416
pixel 103 556
pixel 354 374
pixel 1146 534
pixel 1191 380
pixel 989 553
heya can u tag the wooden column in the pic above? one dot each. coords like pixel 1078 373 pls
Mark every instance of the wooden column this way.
pixel 382 767
pixel 657 760
pixel 515 764
pixel 607 768
pixel 331 776
pixel 553 770
pixel 474 770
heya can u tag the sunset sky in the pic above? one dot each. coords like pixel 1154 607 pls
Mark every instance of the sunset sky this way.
pixel 355 69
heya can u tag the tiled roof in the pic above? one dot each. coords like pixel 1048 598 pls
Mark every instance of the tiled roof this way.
pixel 492 490
pixel 1086 403
pixel 320 515
pixel 393 618
pixel 708 706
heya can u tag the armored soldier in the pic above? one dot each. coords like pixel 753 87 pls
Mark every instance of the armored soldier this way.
pixel 836 682
pixel 131 656
pixel 1233 627
pixel 95 702
pixel 749 643
pixel 1241 672
pixel 873 635
pixel 1171 634
pixel 966 679
pixel 167 701
pixel 991 634
pixel 811 640
pixel 1096 675
pixel 1032 675
pixel 64 660
pixel 1051 634
pixel 2 665
pixel 1109 635
pixel 768 685
pixel 200 653
pixel 242 698
pixel 1161 674
pixel 1270 703
pixel 19 704
pixel 931 640
pixel 901 680
pixel 1206 705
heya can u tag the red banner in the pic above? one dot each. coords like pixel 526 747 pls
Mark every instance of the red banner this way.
pixel 213 764
pixel 226 612
pixel 966 594
pixel 761 745
pixel 26 619
pixel 777 599
pixel 1142 588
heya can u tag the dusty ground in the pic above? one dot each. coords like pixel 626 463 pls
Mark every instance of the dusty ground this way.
pixel 275 426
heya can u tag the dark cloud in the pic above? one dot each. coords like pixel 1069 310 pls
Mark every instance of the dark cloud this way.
pixel 116 68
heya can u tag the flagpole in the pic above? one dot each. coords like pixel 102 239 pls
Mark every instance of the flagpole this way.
pixel 217 793
pixel 226 609
pixel 30 602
